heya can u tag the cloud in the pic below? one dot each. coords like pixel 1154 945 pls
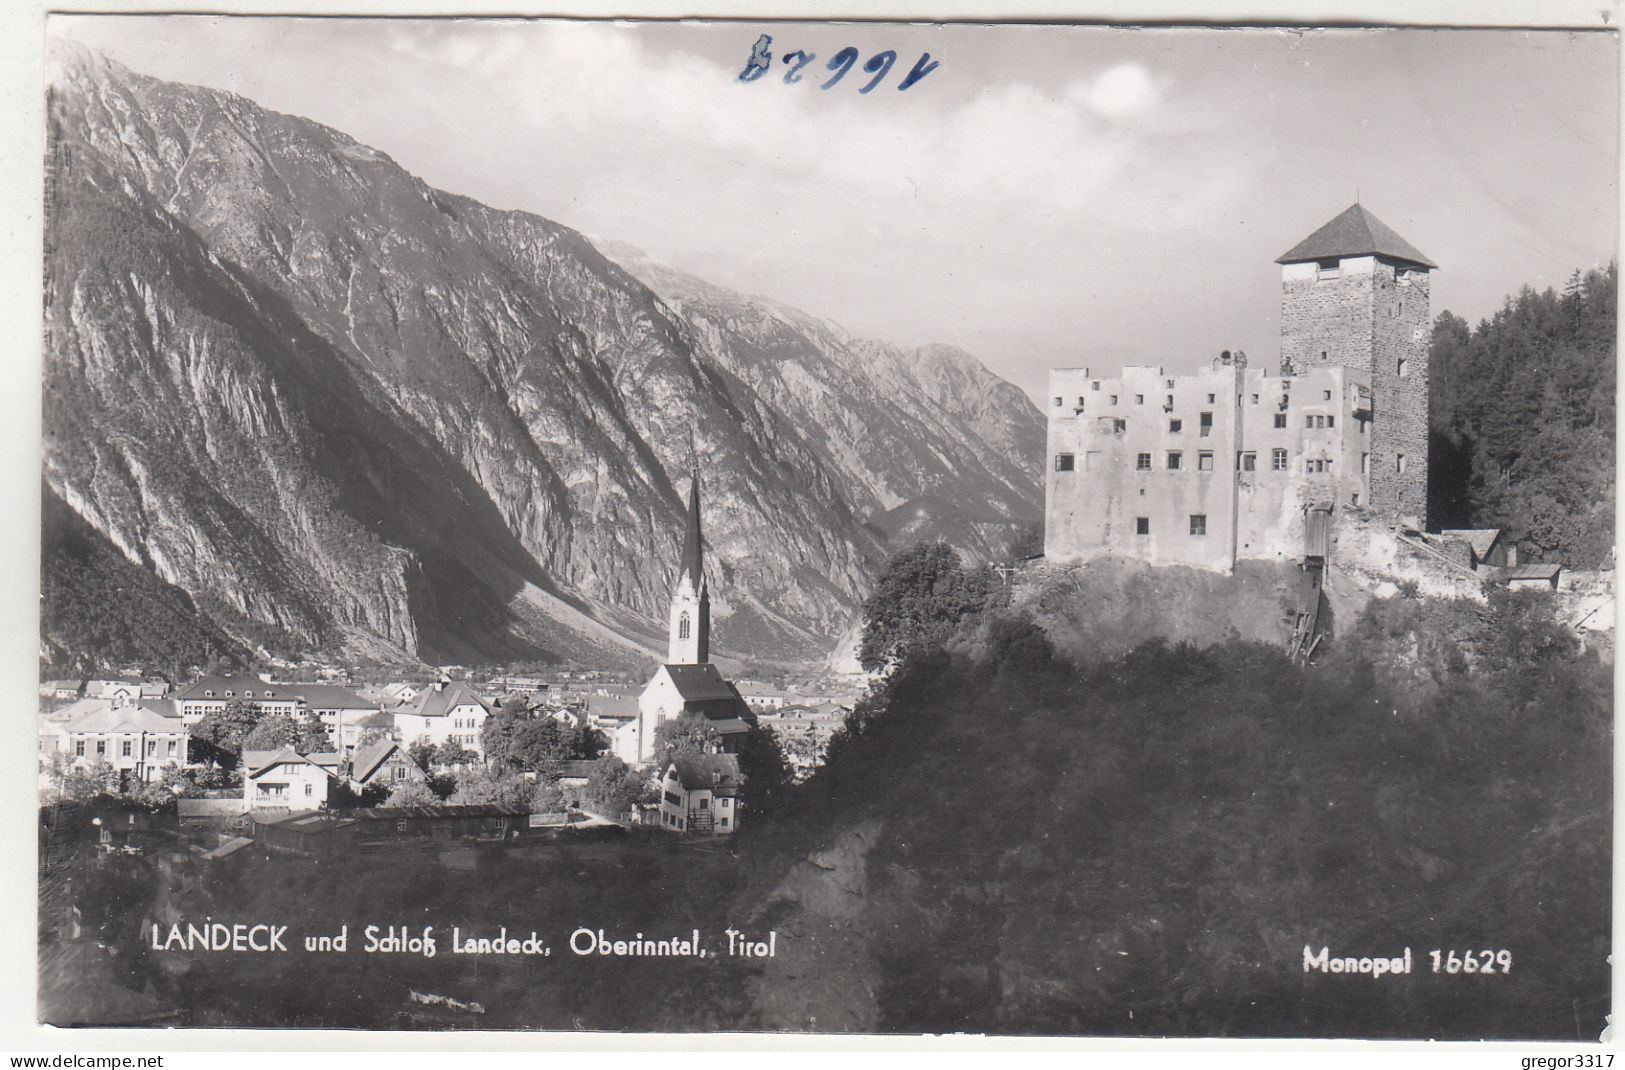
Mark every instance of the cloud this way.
pixel 1118 92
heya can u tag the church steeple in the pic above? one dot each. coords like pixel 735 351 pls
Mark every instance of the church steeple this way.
pixel 690 635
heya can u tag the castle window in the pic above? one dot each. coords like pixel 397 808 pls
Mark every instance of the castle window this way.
pixel 1057 403
pixel 1142 525
pixel 1210 399
pixel 78 748
pixel 1170 383
pixel 1365 464
pixel 1139 399
pixel 1063 462
pixel 1173 460
pixel 1255 399
pixel 1095 385
pixel 1323 355
pixel 1278 460
pixel 1399 463
pixel 1403 373
pixel 1354 499
pixel 1249 462
pixel 1204 461
pixel 1142 463
pixel 1198 523
pixel 1331 421
pixel 1114 399
pixel 1327 394
pixel 1317 466
pixel 1170 401
pixel 1080 401
pixel 683 627
pixel 1119 426
pixel 1206 421
pixel 1280 419
pixel 1175 426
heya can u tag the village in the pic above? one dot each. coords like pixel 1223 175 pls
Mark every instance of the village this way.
pixel 226 762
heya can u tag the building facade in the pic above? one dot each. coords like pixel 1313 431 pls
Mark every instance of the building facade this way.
pixel 1231 463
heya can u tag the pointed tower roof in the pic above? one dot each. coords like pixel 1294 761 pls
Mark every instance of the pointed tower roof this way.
pixel 692 563
pixel 1355 232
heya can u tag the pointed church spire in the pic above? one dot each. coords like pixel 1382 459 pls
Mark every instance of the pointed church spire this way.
pixel 692 563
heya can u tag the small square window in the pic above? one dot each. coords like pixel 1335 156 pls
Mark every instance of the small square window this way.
pixel 1058 402
pixel 1114 399
pixel 1080 401
pixel 1170 401
pixel 1249 462
pixel 1331 421
pixel 1198 523
pixel 1207 421
pixel 1119 426
pixel 1170 383
pixel 1142 525
pixel 1095 385
pixel 1255 399
pixel 1280 419
pixel 1327 394
pixel 1173 460
pixel 1278 460
pixel 1175 426
pixel 1142 463
pixel 1139 399
pixel 1204 461
pixel 1064 462
pixel 1322 354
pixel 1210 399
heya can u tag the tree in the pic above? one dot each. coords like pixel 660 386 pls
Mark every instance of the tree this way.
pixel 765 769
pixel 222 731
pixel 312 735
pixel 691 733
pixel 412 793
pixel 919 601
pixel 450 754
pixel 422 751
pixel 273 732
pixel 548 798
pixel 613 787
pixel 477 787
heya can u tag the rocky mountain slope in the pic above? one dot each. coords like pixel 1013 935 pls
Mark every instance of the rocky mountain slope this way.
pixel 342 410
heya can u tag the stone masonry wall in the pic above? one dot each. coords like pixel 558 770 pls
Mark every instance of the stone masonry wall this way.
pixel 1400 402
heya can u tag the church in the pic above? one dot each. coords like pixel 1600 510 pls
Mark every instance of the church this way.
pixel 687 682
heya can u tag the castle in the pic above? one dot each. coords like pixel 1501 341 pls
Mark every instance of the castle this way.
pixel 1229 463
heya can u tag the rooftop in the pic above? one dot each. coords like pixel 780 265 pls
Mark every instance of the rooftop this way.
pixel 1354 232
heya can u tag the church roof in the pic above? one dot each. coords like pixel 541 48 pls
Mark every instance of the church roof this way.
pixel 1355 232
pixel 692 563
pixel 701 683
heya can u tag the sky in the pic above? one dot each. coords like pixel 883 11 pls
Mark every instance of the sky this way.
pixel 1045 197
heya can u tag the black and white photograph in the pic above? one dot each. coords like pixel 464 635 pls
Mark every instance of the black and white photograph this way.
pixel 681 526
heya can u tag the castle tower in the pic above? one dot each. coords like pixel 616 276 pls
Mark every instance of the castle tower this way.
pixel 690 626
pixel 1354 293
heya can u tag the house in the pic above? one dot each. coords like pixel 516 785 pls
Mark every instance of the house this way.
pixel 699 794
pixel 575 772
pixel 1540 577
pixel 617 717
pixel 209 813
pixel 389 824
pixel 287 780
pixel 1486 547
pixel 136 740
pixel 383 762
pixel 211 694
pixel 119 690
pixel 306 832
pixel 449 712
pixel 61 688
pixel 340 710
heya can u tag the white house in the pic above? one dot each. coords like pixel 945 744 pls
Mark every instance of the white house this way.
pixel 286 780
pixel 135 740
pixel 447 713
pixel 699 794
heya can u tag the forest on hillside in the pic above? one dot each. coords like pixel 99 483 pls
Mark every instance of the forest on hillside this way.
pixel 1522 420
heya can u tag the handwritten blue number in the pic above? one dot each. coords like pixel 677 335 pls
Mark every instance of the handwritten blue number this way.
pixel 879 64
pixel 921 69
pixel 760 59
pixel 800 59
pixel 842 59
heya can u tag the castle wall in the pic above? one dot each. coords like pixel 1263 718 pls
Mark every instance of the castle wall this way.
pixel 1273 446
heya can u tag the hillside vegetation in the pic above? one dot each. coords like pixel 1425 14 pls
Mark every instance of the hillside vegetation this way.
pixel 1522 420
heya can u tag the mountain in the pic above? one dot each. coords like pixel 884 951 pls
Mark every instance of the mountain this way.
pixel 928 441
pixel 343 411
